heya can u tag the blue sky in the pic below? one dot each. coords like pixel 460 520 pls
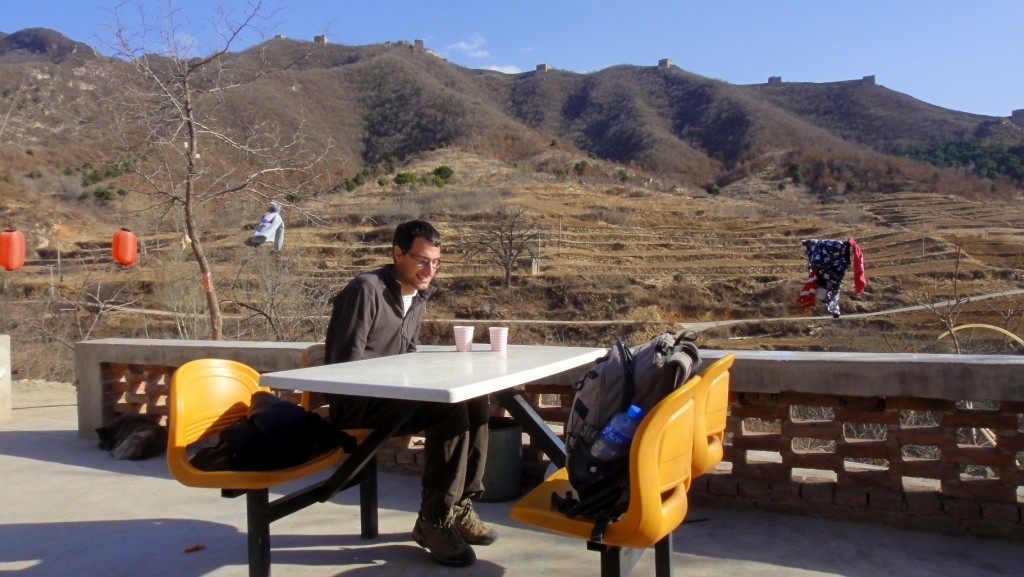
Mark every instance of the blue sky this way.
pixel 957 54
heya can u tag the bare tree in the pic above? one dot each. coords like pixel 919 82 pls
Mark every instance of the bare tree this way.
pixel 1011 317
pixel 950 309
pixel 268 297
pixel 512 233
pixel 188 145
pixel 55 324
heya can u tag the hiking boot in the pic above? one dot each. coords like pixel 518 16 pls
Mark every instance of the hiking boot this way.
pixel 469 525
pixel 443 541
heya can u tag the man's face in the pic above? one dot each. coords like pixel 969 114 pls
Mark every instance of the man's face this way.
pixel 415 268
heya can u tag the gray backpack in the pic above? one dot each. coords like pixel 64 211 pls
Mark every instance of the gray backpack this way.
pixel 625 376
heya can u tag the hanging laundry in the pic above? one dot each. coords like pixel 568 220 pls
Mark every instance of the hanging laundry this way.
pixel 827 263
pixel 809 293
pixel 270 226
pixel 860 279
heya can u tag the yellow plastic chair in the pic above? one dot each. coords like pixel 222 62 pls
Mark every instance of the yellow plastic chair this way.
pixel 206 396
pixel 712 413
pixel 660 469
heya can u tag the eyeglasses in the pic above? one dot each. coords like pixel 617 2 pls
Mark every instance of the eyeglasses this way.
pixel 423 262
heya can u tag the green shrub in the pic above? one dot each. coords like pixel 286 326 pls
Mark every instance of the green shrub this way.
pixel 623 175
pixel 34 173
pixel 796 173
pixel 438 181
pixel 713 189
pixel 580 167
pixel 111 169
pixel 973 157
pixel 405 178
pixel 104 193
pixel 382 181
pixel 444 172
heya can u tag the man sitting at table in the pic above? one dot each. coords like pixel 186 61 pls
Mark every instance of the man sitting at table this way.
pixel 378 314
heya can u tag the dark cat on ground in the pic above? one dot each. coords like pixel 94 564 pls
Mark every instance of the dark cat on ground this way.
pixel 134 437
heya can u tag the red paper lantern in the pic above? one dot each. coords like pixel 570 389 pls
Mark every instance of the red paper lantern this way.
pixel 125 247
pixel 12 249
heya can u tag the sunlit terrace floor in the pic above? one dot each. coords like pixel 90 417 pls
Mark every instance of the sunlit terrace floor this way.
pixel 67 508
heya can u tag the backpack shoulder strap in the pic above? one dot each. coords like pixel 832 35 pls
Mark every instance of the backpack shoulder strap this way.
pixel 600 526
pixel 628 380
pixel 571 507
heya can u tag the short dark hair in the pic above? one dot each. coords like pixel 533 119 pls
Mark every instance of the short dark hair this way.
pixel 410 230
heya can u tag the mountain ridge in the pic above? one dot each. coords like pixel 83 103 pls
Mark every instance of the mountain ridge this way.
pixel 398 99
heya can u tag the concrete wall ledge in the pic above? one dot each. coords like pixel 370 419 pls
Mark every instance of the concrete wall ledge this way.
pixel 94 407
pixel 948 377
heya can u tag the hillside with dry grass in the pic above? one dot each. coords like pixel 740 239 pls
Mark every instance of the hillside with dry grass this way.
pixel 615 167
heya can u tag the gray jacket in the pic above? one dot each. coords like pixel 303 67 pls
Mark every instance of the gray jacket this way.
pixel 367 322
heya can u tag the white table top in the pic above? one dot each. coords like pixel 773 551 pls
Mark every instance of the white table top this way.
pixel 436 373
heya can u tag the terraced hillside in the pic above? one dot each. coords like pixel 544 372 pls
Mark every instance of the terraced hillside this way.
pixel 612 259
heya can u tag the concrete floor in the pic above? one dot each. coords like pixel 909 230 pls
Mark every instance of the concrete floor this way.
pixel 68 508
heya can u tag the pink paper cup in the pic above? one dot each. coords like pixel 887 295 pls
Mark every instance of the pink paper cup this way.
pixel 499 338
pixel 463 339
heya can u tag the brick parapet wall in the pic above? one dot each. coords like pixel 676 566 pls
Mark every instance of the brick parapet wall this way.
pixel 806 433
pixel 956 487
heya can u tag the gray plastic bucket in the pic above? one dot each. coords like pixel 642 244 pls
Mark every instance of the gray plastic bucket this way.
pixel 503 474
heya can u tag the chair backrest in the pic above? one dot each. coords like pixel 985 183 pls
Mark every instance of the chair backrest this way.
pixel 660 471
pixel 712 414
pixel 206 396
pixel 313 356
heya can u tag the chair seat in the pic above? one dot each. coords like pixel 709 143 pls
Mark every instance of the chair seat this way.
pixel 190 476
pixel 535 508
pixel 230 479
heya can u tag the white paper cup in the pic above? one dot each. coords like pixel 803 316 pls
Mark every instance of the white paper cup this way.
pixel 463 338
pixel 499 338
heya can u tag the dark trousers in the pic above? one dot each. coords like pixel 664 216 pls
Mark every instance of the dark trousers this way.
pixel 455 445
